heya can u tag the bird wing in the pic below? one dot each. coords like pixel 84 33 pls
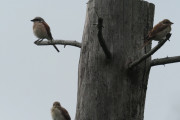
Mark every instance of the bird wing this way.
pixel 157 28
pixel 48 30
pixel 49 34
pixel 65 113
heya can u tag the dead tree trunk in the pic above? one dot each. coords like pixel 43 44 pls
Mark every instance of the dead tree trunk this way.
pixel 107 89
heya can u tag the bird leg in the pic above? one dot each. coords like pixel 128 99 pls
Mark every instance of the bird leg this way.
pixel 36 41
pixel 39 40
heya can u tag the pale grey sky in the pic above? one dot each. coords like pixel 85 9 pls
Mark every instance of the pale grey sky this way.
pixel 33 77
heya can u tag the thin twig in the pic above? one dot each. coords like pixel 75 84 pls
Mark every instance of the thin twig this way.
pixel 100 37
pixel 159 45
pixel 163 61
pixel 60 42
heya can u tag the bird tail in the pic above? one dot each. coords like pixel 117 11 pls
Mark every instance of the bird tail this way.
pixel 146 43
pixel 56 48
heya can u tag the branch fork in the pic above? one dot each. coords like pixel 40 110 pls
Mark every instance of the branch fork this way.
pixel 147 55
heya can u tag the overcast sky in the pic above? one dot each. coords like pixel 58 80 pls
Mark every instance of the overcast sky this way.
pixel 33 77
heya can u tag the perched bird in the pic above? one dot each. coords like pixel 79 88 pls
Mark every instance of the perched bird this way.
pixel 159 31
pixel 42 30
pixel 59 113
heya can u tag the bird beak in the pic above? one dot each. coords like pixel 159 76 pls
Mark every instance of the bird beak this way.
pixel 172 23
pixel 32 20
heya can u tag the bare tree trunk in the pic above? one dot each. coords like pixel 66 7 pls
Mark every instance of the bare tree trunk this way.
pixel 107 89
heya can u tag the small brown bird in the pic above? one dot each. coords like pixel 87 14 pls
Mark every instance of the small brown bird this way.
pixel 159 31
pixel 59 113
pixel 42 30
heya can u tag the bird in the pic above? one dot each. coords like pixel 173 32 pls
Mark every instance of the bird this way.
pixel 42 30
pixel 159 31
pixel 58 112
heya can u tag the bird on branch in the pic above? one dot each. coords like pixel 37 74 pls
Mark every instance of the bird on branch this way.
pixel 158 32
pixel 42 30
pixel 59 113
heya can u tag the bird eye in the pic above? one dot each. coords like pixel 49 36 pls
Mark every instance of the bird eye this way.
pixel 166 22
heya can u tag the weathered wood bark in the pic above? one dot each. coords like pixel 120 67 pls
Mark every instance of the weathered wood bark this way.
pixel 107 90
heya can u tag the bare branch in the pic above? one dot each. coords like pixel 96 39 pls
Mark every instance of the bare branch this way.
pixel 60 42
pixel 101 39
pixel 159 45
pixel 163 61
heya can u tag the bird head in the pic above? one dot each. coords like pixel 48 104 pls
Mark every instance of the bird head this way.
pixel 37 19
pixel 167 22
pixel 56 104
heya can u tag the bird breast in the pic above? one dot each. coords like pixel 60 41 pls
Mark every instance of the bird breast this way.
pixel 162 35
pixel 39 30
pixel 57 114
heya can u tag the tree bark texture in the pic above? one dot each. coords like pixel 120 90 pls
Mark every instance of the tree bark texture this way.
pixel 107 89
